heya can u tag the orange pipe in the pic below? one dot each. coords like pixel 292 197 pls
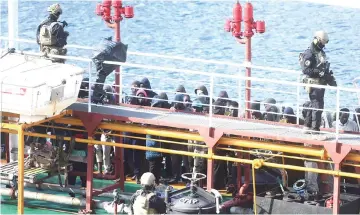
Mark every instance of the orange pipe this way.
pixel 21 147
pixel 123 127
pixel 274 147
pixel 194 136
pixel 258 164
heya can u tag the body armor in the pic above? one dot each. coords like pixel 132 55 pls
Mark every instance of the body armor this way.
pixel 52 39
pixel 320 58
pixel 141 204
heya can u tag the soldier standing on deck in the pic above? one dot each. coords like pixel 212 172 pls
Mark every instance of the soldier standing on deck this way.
pixel 314 65
pixel 317 70
pixel 50 34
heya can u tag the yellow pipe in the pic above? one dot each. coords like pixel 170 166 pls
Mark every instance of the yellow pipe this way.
pixel 21 147
pixel 60 115
pixel 274 147
pixel 227 141
pixel 169 151
pixel 127 146
pixel 194 136
pixel 189 144
pixel 123 127
pixel 133 137
pixel 10 131
pixel 9 126
pixel 297 168
pixel 254 188
pixel 276 155
pixel 245 161
pixel 353 157
pixel 15 125
pixel 8 114
pixel 292 149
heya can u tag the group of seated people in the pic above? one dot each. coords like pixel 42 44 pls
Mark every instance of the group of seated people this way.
pixel 170 166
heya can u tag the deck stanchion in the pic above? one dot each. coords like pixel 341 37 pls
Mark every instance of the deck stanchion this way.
pixel 239 95
pixel 13 23
pixel 336 194
pixel 211 100
pixel 89 175
pixel 253 167
pixel 337 113
pixel 118 69
pixel 20 190
pixel 121 166
pixel 89 101
pixel 7 145
pixel 121 87
pixel 210 170
pixel 298 102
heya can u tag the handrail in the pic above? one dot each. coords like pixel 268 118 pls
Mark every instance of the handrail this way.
pixel 243 65
pixel 219 75
pixel 211 76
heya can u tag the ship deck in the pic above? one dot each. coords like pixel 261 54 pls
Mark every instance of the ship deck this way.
pixel 9 206
pixel 235 126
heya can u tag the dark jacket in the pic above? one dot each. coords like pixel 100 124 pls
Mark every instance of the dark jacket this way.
pixel 309 62
pixel 220 103
pixel 61 34
pixel 145 83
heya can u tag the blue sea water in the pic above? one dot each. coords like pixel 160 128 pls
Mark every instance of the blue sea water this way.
pixel 194 29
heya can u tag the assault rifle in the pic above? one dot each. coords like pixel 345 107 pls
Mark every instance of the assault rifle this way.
pixel 327 74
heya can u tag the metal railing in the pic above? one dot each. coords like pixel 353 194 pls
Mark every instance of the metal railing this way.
pixel 211 78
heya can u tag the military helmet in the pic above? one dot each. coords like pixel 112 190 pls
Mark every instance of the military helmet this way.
pixel 322 37
pixel 147 179
pixel 55 9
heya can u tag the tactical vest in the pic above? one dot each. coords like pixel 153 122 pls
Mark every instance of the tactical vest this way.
pixel 48 41
pixel 320 58
pixel 141 205
pixel 47 36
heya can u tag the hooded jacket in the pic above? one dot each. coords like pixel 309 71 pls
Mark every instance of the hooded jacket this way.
pixel 130 99
pixel 142 98
pixel 220 103
pixel 145 83
pixel 158 101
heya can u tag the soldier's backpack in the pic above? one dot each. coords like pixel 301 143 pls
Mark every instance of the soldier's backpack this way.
pixel 49 33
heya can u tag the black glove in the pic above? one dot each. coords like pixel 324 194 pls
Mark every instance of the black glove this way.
pixel 324 69
pixel 317 71
pixel 64 23
pixel 330 79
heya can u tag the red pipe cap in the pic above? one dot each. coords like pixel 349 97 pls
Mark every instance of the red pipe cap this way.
pixel 260 27
pixel 129 12
pixel 106 3
pixel 117 3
